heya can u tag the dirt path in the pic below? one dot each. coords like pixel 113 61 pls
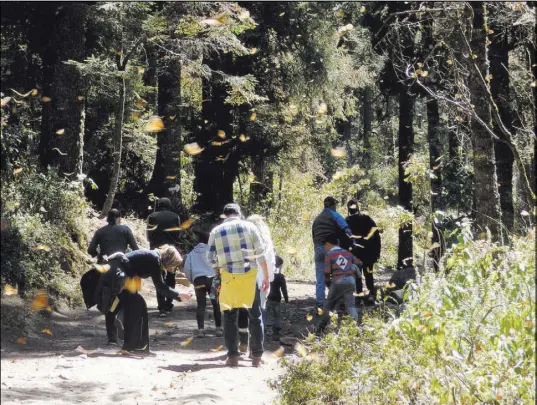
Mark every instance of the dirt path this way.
pixel 48 369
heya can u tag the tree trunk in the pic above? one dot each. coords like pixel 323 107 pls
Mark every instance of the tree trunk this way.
pixel 62 130
pixel 262 188
pixel 118 148
pixel 386 129
pixel 435 153
pixel 487 198
pixel 500 90
pixel 406 148
pixel 166 178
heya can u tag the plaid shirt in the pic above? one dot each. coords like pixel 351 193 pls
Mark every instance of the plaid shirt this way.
pixel 235 246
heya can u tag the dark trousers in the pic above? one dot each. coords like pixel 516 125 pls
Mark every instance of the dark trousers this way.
pixel 273 307
pixel 369 281
pixel 339 292
pixel 135 321
pixel 162 301
pixel 255 327
pixel 202 287
pixel 243 326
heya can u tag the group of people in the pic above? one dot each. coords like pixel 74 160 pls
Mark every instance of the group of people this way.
pixel 344 248
pixel 235 264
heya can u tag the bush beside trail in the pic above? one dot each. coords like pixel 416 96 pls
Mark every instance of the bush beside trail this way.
pixel 466 337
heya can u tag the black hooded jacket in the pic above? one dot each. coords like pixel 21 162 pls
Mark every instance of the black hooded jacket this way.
pixel 159 221
pixel 367 250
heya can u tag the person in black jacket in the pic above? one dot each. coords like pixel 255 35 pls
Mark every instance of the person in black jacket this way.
pixel 367 247
pixel 118 288
pixel 157 234
pixel 277 288
pixel 111 238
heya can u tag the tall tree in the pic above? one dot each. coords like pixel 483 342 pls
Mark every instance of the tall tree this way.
pixel 487 198
pixel 62 132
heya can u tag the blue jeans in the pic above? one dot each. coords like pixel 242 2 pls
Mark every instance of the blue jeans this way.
pixel 319 255
pixel 255 325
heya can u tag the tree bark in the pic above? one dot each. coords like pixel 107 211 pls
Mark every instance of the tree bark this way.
pixel 487 198
pixel 406 148
pixel 118 148
pixel 62 129
pixel 166 178
pixel 500 90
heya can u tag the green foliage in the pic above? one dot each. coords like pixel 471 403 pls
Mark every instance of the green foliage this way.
pixel 42 245
pixel 466 337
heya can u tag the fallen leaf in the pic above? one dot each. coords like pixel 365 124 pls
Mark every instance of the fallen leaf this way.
pixel 168 324
pixel 46 99
pixel 309 317
pixel 47 331
pixel 218 348
pixel 21 341
pixel 339 152
pixel 154 124
pixel 10 290
pixel 171 385
pixel 40 300
pixel 193 148
pixel 279 352
pixel 187 342
pixel 60 131
pixel 17 170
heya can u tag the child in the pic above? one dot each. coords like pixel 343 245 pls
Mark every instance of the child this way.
pixel 274 298
pixel 199 272
pixel 340 269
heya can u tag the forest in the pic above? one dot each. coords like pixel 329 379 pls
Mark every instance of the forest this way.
pixel 425 112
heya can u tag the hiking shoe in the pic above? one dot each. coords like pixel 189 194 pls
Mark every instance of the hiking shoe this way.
pixel 257 361
pixel 219 332
pixel 200 333
pixel 232 361
pixel 162 314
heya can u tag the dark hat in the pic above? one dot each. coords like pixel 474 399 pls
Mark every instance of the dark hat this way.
pixel 232 209
pixel 330 202
pixel 164 203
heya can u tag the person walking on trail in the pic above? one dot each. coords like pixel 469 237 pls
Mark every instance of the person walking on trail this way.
pixel 270 257
pixel 158 234
pixel 200 273
pixel 236 249
pixel 277 287
pixel 328 224
pixel 340 269
pixel 111 238
pixel 367 248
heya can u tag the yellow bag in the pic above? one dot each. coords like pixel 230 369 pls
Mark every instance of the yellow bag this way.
pixel 238 290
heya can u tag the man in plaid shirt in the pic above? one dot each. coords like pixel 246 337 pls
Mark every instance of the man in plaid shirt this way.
pixel 235 247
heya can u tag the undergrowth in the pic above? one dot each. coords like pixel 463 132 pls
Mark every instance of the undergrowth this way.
pixel 466 337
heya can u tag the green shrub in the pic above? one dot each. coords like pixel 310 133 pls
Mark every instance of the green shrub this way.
pixel 44 236
pixel 465 338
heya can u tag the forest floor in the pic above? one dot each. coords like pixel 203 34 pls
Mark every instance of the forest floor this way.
pixel 49 368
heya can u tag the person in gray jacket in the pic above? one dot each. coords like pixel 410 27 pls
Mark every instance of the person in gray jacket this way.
pixel 199 272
